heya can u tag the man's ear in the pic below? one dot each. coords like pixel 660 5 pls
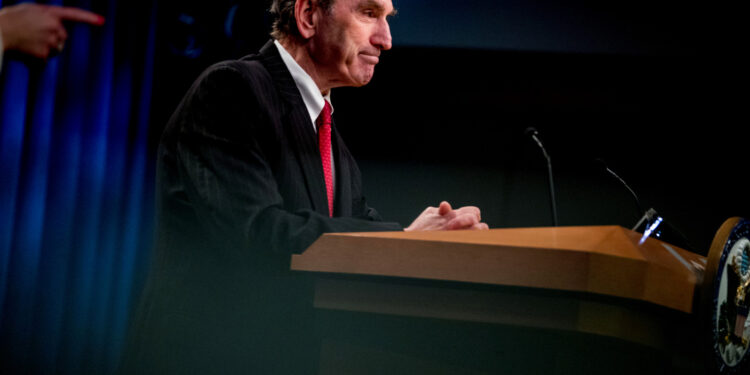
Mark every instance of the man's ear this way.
pixel 304 13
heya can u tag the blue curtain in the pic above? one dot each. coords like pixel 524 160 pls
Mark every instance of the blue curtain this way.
pixel 76 204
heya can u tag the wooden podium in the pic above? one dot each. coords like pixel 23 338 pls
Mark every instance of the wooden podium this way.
pixel 599 281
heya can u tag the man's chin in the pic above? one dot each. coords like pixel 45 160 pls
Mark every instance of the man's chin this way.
pixel 365 77
pixel 357 78
pixel 363 82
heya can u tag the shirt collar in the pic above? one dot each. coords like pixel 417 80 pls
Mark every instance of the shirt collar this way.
pixel 311 96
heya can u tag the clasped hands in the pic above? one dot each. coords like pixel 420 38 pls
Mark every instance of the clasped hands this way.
pixel 444 217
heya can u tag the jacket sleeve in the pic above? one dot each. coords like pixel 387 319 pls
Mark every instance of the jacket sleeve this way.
pixel 221 141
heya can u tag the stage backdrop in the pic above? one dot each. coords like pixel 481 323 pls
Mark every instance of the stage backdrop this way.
pixel 75 192
pixel 645 86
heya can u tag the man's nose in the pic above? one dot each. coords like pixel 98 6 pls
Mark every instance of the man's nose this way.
pixel 382 36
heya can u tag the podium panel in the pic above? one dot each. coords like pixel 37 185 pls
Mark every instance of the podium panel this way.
pixel 573 286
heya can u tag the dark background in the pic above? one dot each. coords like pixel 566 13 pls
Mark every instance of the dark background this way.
pixel 655 89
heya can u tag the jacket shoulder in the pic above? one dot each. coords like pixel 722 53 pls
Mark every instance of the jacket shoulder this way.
pixel 250 69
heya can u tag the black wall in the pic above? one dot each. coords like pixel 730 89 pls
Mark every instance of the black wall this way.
pixel 454 129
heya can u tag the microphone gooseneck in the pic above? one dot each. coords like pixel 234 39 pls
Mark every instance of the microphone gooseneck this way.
pixel 534 134
pixel 641 211
pixel 649 216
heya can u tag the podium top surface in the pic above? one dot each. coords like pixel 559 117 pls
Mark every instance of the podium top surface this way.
pixel 608 260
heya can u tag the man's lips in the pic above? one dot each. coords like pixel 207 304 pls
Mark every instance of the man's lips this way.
pixel 370 58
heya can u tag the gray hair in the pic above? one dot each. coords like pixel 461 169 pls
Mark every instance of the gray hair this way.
pixel 284 23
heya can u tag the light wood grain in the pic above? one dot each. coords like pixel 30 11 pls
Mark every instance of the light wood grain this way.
pixel 604 260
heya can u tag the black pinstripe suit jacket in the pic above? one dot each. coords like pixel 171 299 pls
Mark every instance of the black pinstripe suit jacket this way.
pixel 239 189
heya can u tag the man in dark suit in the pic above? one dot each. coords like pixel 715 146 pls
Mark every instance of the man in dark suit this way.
pixel 246 177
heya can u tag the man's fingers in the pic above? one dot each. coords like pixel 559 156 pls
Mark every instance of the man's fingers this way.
pixel 472 210
pixel 77 15
pixel 444 217
pixel 465 221
pixel 444 208
pixel 429 210
pixel 480 226
pixel 39 51
pixel 59 36
pixel 62 35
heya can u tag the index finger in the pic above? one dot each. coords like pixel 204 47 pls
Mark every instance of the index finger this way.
pixel 78 15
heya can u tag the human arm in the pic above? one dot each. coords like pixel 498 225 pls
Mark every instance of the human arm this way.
pixel 36 29
pixel 231 151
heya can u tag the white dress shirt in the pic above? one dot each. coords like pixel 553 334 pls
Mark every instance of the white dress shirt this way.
pixel 314 100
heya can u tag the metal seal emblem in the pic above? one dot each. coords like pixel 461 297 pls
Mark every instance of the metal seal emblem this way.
pixel 731 302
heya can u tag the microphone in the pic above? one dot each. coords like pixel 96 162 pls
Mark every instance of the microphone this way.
pixel 601 161
pixel 534 134
pixel 650 216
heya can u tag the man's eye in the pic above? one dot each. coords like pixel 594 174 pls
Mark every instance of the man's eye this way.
pixel 369 13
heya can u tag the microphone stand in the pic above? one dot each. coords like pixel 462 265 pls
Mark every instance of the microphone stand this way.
pixel 650 216
pixel 532 132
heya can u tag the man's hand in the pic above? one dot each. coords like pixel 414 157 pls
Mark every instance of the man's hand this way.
pixel 446 218
pixel 36 29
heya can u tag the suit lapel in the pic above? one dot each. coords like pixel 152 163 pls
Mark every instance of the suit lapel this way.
pixel 302 137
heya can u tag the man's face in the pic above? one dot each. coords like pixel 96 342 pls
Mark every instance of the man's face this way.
pixel 349 39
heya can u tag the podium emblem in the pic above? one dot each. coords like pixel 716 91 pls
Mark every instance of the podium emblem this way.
pixel 731 301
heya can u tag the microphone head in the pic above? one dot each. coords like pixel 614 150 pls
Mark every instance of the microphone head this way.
pixel 530 131
pixel 599 162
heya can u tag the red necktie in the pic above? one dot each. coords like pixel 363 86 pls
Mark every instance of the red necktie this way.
pixel 324 143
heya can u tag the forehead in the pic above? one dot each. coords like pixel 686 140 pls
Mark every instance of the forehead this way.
pixel 383 5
